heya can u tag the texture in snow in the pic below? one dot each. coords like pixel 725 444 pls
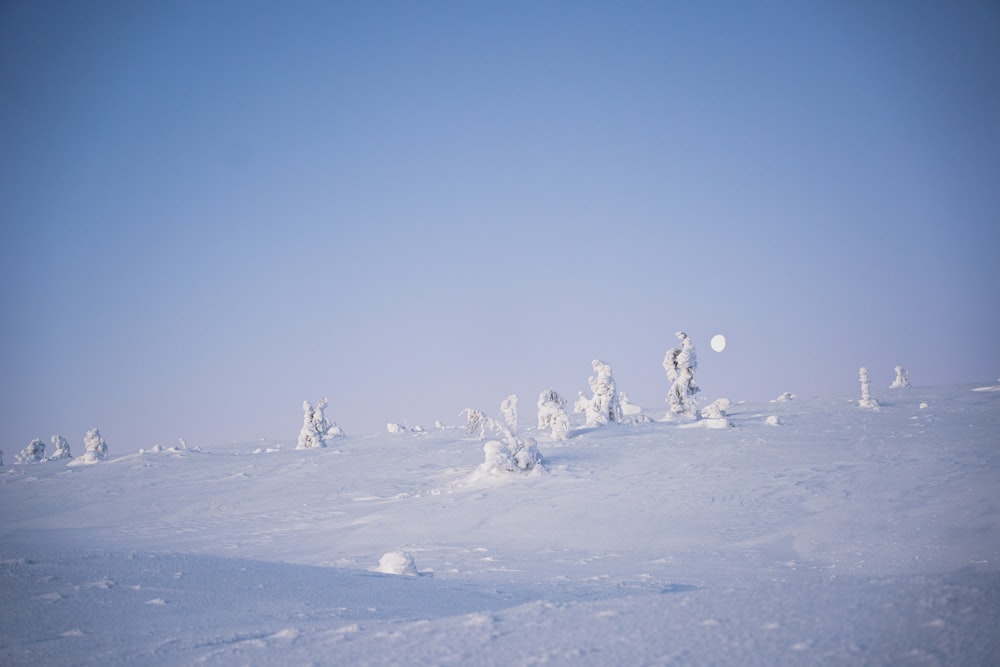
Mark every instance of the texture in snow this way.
pixel 845 536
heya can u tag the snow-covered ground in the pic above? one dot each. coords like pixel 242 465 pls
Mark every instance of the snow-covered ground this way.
pixel 840 536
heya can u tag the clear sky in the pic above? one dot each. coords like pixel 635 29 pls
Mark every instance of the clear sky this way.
pixel 212 211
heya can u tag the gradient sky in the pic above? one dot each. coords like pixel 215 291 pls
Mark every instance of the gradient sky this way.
pixel 213 211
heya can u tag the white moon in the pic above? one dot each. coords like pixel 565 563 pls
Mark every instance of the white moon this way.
pixel 718 342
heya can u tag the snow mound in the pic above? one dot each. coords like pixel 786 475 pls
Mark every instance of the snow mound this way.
pixel 397 562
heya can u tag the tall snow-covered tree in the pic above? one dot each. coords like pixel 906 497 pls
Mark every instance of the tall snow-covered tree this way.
pixel 680 364
pixel 34 452
pixel 552 414
pixel 508 409
pixel 96 449
pixel 316 428
pixel 60 447
pixel 867 400
pixel 902 380
pixel 604 406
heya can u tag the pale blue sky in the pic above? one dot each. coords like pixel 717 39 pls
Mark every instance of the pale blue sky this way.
pixel 213 211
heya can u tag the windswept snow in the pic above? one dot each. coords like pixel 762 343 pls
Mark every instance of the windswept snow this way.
pixel 845 536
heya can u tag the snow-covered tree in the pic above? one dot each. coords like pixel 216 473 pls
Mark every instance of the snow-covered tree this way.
pixel 33 453
pixel 552 414
pixel 680 364
pixel 508 409
pixel 1 457
pixel 316 428
pixel 604 406
pixel 94 444
pixel 867 400
pixel 61 447
pixel 475 421
pixel 902 380
pixel 96 449
pixel 511 453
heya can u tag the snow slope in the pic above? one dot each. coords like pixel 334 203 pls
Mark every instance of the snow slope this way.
pixel 841 536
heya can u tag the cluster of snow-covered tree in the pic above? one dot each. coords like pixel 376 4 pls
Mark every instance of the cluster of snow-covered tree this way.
pixel 96 450
pixel 508 451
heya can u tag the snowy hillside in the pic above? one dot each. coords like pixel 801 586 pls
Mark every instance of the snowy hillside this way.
pixel 828 534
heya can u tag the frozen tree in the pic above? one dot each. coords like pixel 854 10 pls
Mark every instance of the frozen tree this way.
pixel 475 421
pixel 95 445
pixel 1 457
pixel 33 453
pixel 511 453
pixel 514 455
pixel 867 401
pixel 316 428
pixel 61 447
pixel 96 449
pixel 902 380
pixel 310 436
pixel 680 364
pixel 552 414
pixel 604 406
pixel 508 409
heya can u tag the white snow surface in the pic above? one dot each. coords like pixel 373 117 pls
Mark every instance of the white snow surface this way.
pixel 846 536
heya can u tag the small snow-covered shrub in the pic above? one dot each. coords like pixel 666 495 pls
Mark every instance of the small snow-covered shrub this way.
pixel 512 456
pixel 33 453
pixel 716 409
pixel 604 406
pixel 552 414
pixel 787 396
pixel 397 562
pixel 680 364
pixel 631 413
pixel 867 400
pixel 61 447
pixel 96 449
pixel 629 409
pixel 902 380
pixel 773 420
pixel 316 428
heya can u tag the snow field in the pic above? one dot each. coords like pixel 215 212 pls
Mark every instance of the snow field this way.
pixel 843 536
